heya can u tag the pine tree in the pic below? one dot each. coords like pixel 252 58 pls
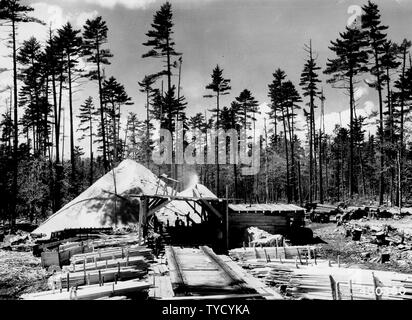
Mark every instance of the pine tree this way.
pixel 291 100
pixel 14 13
pixel 161 41
pixel 146 86
pixel 220 86
pixel 277 113
pixel 71 43
pixel 350 61
pixel 30 73
pixel 87 118
pixel 115 96
pixel 94 39
pixel 309 80
pixel 371 23
pixel 163 47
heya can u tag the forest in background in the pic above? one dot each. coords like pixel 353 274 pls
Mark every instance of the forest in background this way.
pixel 348 165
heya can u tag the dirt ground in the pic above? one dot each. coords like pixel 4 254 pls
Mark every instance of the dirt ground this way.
pixel 20 272
pixel 365 253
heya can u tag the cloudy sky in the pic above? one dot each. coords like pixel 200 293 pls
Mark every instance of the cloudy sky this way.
pixel 249 39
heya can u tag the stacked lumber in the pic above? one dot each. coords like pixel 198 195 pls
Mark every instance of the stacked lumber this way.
pixel 80 278
pixel 102 274
pixel 113 253
pixel 350 284
pixel 137 262
pixel 92 292
pixel 116 240
pixel 325 282
pixel 303 253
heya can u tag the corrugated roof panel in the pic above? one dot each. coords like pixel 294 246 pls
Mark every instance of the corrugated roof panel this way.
pixel 272 207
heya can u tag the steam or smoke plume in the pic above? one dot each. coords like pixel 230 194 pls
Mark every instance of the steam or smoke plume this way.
pixel 192 180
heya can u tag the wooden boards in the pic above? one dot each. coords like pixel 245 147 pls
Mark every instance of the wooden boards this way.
pixel 112 253
pixel 92 292
pixel 304 253
pixel 81 278
pixel 138 262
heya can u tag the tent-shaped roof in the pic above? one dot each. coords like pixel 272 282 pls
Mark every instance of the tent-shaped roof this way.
pixel 182 208
pixel 105 203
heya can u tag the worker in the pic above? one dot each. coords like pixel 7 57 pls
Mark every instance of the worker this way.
pixel 188 219
pixel 179 222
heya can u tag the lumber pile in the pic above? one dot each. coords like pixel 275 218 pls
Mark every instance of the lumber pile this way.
pixel 113 253
pixel 331 283
pixel 137 262
pixel 100 274
pixel 303 253
pixel 84 277
pixel 92 292
pixel 324 280
pixel 106 241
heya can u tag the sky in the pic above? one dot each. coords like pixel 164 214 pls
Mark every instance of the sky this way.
pixel 249 39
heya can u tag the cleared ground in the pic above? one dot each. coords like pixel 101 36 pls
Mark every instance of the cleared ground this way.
pixel 20 272
pixel 365 253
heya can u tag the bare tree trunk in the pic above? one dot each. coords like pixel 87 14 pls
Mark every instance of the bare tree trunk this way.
pixel 99 78
pixel 13 211
pixel 72 157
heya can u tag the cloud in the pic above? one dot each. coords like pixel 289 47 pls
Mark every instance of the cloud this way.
pixel 54 16
pixel 343 118
pixel 360 92
pixel 83 16
pixel 129 4
pixel 110 4
pixel 51 15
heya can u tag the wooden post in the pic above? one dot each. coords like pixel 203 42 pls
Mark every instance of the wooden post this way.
pixel 375 286
pixel 350 289
pixel 142 215
pixel 84 270
pixel 267 256
pixel 227 217
pixel 338 293
pixel 68 281
pixel 300 260
pixel 333 287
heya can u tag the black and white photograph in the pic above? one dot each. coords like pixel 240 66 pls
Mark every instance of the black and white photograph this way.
pixel 205 156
